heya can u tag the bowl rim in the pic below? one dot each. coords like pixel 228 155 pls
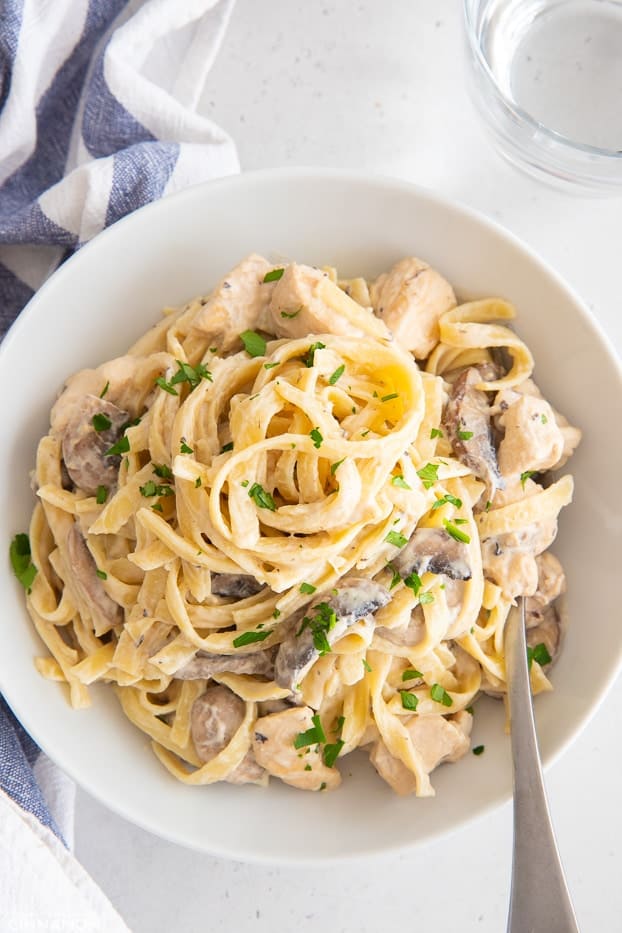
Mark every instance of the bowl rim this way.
pixel 312 174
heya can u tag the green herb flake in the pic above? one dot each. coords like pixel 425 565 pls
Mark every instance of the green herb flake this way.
pixel 435 432
pixel 249 638
pixel 426 598
pixel 453 500
pixel 312 736
pixel 409 700
pixel 400 481
pixel 308 768
pixel 197 482
pixel 488 506
pixel 274 275
pixel 191 374
pixel 366 665
pixel 461 521
pixel 157 507
pixel 540 654
pixel 396 578
pixel 440 695
pixel 310 356
pixel 390 397
pixel 254 343
pixel 413 582
pixel 269 365
pixel 101 422
pixel 479 749
pixel 323 785
pixel 544 419
pixel 470 710
pixel 428 474
pixel 261 498
pixel 320 624
pixel 244 483
pixel 335 466
pixel 276 613
pixel 161 381
pixel 395 538
pixel 184 448
pixel 316 437
pixel 455 532
pixel 336 376
pixel 307 588
pixel 226 447
pixel 23 567
pixel 104 391
pixel 465 435
pixel 162 470
pixel 331 752
pixel 525 476
pixel 101 494
pixel 291 314
pixel 411 674
pixel 101 574
pixel 121 447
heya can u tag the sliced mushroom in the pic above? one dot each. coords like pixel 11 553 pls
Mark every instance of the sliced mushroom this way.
pixel 547 632
pixel 214 719
pixel 433 550
pixel 328 619
pixel 274 750
pixel 551 584
pixel 205 665
pixel 239 585
pixel 105 613
pixel 467 424
pixel 84 447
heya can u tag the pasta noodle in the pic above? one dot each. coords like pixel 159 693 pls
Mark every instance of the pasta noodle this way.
pixel 282 533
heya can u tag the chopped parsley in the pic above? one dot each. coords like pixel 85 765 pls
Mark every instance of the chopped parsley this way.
pixel 101 422
pixel 395 538
pixel 161 381
pixel 190 374
pixel 157 507
pixel 331 752
pixel 155 489
pixel 465 435
pixel 254 343
pixel 455 532
pixel 121 447
pixel 413 582
pixel 400 481
pixel 226 447
pixel 184 448
pixel 101 574
pixel 162 470
pixel 488 506
pixel 261 498
pixel 460 521
pixel 269 365
pixel 411 674
pixel 396 578
pixel 390 397
pixel 479 749
pixel 316 437
pixel 197 482
pixel 104 392
pixel 274 275
pixel 248 638
pixel 322 622
pixel 23 567
pixel 540 654
pixel 308 767
pixel 307 588
pixel 291 314
pixel 276 613
pixel 101 494
pixel 409 700
pixel 312 736
pixel 366 665
pixel 435 432
pixel 336 376
pixel 544 419
pixel 335 466
pixel 440 695
pixel 453 500
pixel 428 474
pixel 426 598
pixel 525 476
pixel 310 357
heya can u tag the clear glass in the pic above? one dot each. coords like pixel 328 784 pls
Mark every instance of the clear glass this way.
pixel 546 75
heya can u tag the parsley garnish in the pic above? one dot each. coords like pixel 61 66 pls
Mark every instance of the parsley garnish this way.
pixel 540 654
pixel 184 448
pixel 155 489
pixel 390 397
pixel 254 343
pixel 331 752
pixel 426 598
pixel 157 507
pixel 316 437
pixel 411 674
pixel 312 736
pixel 366 665
pixel 309 358
pixel 413 581
pixel 409 700
pixel 23 567
pixel 261 498
pixel 101 494
pixel 307 588
pixel 465 435
pixel 478 750
pixel 161 381
pixel 335 466
pixel 448 498
pixel 324 620
pixel 291 314
pixel 435 432
pixel 121 447
pixel 544 419
pixel 400 481
pixel 488 506
pixel 276 613
pixel 190 374
pixel 101 574
pixel 269 365
pixel 336 376
pixel 396 577
pixel 323 785
pixel 428 474
pixel 197 482
pixel 248 638
pixel 525 476
pixel 226 447
pixel 394 537
pixel 455 532
pixel 440 695
pixel 104 391
pixel 101 422
pixel 274 275
pixel 162 470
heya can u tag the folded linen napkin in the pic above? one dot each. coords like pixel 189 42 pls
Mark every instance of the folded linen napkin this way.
pixel 98 116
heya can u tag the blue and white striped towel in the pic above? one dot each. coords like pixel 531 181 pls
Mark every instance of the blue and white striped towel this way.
pixel 98 116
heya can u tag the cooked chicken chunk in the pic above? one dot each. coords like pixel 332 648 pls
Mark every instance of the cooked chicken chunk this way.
pixel 215 718
pixel 84 446
pixel 410 299
pixel 532 440
pixel 435 738
pixel 240 585
pixel 547 632
pixel 274 749
pixel 467 425
pixel 205 665
pixel 528 389
pixel 433 550
pixel 305 301
pixel 104 612
pixel 238 303
pixel 551 584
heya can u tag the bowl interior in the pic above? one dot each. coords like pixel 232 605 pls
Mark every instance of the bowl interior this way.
pixel 111 292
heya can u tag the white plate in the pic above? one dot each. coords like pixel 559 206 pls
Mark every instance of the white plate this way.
pixel 107 295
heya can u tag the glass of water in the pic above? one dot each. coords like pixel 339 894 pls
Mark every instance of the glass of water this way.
pixel 546 75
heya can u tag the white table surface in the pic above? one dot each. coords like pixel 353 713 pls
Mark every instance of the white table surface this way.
pixel 380 86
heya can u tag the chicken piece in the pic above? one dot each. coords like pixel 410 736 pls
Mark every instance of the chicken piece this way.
pixel 274 749
pixel 547 632
pixel 325 623
pixel 240 585
pixel 238 303
pixel 105 613
pixel 528 389
pixel 305 301
pixel 467 424
pixel 433 550
pixel 532 440
pixel 84 447
pixel 410 299
pixel 205 665
pixel 435 738
pixel 214 719
pixel 551 584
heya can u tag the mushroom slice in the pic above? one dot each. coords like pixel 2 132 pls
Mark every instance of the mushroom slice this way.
pixel 205 665
pixel 433 550
pixel 325 623
pixel 92 429
pixel 551 584
pixel 467 423
pixel 547 632
pixel 105 613
pixel 239 585
pixel 214 719
pixel 274 749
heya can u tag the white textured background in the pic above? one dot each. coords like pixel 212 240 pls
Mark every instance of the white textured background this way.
pixel 380 86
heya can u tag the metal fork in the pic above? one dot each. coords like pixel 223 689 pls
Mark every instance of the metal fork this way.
pixel 539 899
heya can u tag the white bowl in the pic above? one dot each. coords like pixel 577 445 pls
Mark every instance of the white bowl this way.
pixel 106 296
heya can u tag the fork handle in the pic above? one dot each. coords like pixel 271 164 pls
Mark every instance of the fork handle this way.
pixel 539 899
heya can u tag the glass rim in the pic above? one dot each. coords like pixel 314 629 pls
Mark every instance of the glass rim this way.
pixel 611 155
